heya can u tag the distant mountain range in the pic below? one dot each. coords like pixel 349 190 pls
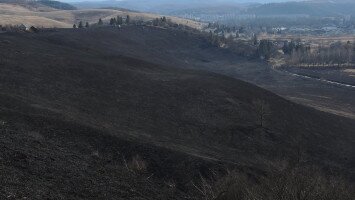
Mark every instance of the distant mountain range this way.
pixel 57 4
pixel 41 3
pixel 311 8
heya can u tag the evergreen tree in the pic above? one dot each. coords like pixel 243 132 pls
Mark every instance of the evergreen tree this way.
pixel 255 39
pixel 163 19
pixel 265 48
pixel 119 20
pixel 112 22
pixel 285 48
pixel 80 24
pixel 100 22
pixel 156 22
pixel 128 19
pixel 74 26
pixel 87 25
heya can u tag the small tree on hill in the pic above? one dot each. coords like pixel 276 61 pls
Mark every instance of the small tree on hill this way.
pixel 100 22
pixel 128 19
pixel 255 40
pixel 156 22
pixel 119 20
pixel 87 25
pixel 163 19
pixel 74 26
pixel 81 24
pixel 112 22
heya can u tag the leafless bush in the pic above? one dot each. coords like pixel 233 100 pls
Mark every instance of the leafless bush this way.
pixel 206 189
pixel 96 153
pixel 289 184
pixel 262 110
pixel 2 123
pixel 304 183
pixel 136 165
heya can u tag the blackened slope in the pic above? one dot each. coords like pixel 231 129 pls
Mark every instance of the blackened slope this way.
pixel 90 82
pixel 45 156
pixel 85 85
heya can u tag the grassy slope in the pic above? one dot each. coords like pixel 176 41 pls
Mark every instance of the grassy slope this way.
pixel 16 14
pixel 75 102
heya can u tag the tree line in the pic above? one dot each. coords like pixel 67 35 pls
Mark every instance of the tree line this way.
pixel 116 21
pixel 337 54
pixel 120 21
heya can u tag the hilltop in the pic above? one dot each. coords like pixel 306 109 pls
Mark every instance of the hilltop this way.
pixel 40 5
pixel 50 14
pixel 82 109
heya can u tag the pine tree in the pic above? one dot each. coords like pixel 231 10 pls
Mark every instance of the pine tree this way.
pixel 100 22
pixel 163 19
pixel 156 22
pixel 80 24
pixel 128 19
pixel 119 20
pixel 265 48
pixel 87 25
pixel 285 48
pixel 255 39
pixel 112 22
pixel 74 26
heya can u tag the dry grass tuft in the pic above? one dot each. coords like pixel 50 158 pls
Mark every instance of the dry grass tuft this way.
pixel 136 165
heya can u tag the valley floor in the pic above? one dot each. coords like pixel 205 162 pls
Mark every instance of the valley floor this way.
pixel 319 94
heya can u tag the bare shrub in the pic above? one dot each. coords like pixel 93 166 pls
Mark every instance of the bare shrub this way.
pixel 206 189
pixel 304 184
pixel 96 153
pixel 137 164
pixel 289 184
pixel 2 123
pixel 262 110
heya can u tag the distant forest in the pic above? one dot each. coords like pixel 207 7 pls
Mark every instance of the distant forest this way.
pixel 57 4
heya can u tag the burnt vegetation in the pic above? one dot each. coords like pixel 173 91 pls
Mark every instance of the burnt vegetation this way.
pixel 101 113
